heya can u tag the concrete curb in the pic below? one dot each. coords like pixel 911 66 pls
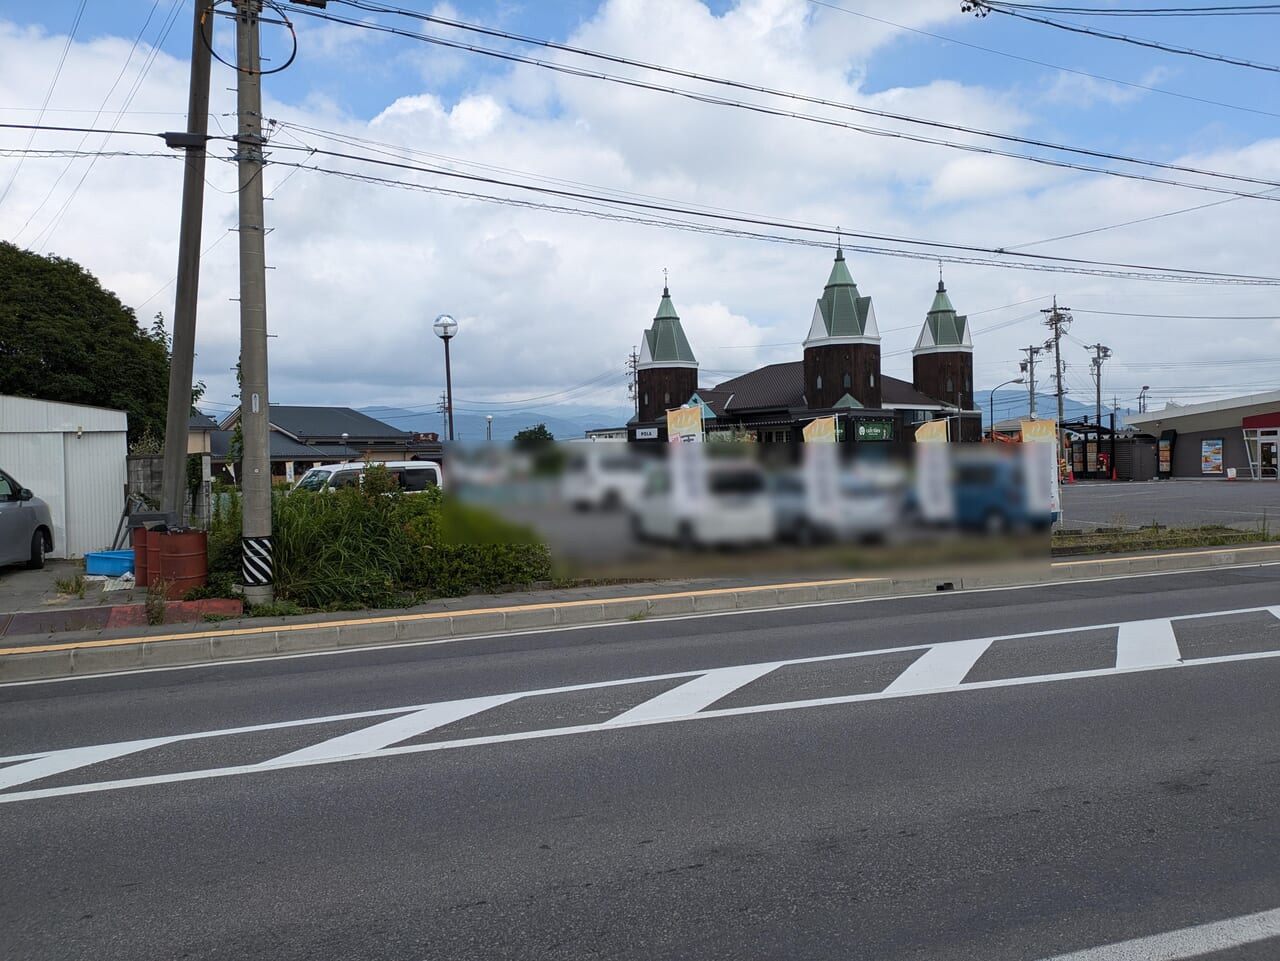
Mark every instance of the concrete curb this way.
pixel 88 656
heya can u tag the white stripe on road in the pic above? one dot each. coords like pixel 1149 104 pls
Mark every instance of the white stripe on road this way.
pixel 1146 643
pixel 943 665
pixel 692 696
pixel 1186 942
pixel 378 736
pixel 39 793
pixel 59 762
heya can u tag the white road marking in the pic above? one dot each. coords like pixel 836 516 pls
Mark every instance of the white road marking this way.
pixel 699 615
pixel 943 665
pixel 692 696
pixel 375 738
pixel 269 766
pixel 1186 943
pixel 1143 643
pixel 62 761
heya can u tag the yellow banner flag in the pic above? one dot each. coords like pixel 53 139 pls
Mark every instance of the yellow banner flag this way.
pixel 684 425
pixel 932 432
pixel 820 431
pixel 1039 431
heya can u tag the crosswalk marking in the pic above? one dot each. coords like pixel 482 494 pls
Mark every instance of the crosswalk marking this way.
pixel 378 736
pixel 57 762
pixel 1187 943
pixel 692 696
pixel 1145 643
pixel 943 665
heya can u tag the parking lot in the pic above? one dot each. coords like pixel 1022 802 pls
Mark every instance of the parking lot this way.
pixel 1172 503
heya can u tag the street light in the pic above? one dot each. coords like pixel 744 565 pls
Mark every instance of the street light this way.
pixel 991 401
pixel 445 327
pixel 488 427
pixel 346 451
pixel 1142 399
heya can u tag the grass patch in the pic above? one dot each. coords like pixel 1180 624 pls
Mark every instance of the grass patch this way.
pixel 71 585
pixel 1154 538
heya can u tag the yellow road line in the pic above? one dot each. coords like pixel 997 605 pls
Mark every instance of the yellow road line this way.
pixel 541 606
pixel 427 616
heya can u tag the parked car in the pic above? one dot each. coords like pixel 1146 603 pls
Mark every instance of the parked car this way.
pixel 26 526
pixel 602 476
pixel 991 494
pixel 863 508
pixel 725 505
pixel 412 476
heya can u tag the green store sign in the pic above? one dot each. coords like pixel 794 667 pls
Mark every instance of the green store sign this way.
pixel 873 430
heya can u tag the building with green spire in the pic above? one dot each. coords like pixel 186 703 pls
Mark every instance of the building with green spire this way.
pixel 666 370
pixel 842 351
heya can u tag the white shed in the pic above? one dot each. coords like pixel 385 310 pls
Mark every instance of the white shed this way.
pixel 73 457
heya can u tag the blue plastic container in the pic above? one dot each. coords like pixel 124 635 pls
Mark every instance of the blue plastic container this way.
pixel 109 563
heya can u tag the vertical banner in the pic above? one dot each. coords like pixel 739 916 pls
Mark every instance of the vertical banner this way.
pixel 820 431
pixel 684 425
pixel 688 478
pixel 821 494
pixel 1040 465
pixel 933 472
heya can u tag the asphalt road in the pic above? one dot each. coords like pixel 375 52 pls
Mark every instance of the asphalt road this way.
pixel 893 779
pixel 1173 503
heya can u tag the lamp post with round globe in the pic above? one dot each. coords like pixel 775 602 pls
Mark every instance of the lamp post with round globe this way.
pixel 445 328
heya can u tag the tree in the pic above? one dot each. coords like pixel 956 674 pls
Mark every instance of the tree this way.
pixel 533 438
pixel 63 337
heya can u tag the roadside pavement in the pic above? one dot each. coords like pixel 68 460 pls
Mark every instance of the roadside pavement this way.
pixel 96 649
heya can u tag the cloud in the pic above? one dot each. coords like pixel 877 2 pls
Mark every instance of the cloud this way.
pixel 547 300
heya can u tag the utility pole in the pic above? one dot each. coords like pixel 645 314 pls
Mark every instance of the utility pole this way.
pixel 633 388
pixel 443 410
pixel 1028 367
pixel 1058 321
pixel 1100 354
pixel 255 411
pixel 182 354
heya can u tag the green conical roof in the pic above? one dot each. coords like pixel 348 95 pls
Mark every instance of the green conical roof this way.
pixel 943 327
pixel 843 311
pixel 665 341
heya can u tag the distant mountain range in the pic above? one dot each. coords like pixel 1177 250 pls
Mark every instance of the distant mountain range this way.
pixel 1011 404
pixel 571 423
pixel 565 424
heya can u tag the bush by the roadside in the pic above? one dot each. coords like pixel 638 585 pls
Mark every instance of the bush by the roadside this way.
pixel 375 546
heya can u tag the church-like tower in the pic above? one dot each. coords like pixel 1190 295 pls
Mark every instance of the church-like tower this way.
pixel 942 360
pixel 667 371
pixel 842 351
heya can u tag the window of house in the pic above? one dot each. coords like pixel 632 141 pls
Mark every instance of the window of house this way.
pixel 848 382
pixel 818 383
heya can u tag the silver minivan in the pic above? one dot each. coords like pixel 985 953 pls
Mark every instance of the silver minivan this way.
pixel 411 476
pixel 26 526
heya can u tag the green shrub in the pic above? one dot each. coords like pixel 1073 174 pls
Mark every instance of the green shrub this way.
pixel 377 547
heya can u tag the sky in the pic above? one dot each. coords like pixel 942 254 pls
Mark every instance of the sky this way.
pixel 545 209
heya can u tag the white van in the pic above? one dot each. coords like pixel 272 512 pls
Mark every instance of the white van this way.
pixel 724 504
pixel 411 476
pixel 605 475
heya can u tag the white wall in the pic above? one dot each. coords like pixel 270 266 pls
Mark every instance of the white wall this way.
pixel 73 458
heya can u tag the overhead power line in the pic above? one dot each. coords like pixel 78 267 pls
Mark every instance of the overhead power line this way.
pixel 1042 63
pixel 764 109
pixel 981 8
pixel 924 249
